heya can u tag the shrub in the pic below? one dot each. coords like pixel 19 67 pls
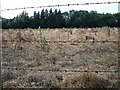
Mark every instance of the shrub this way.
pixel 41 39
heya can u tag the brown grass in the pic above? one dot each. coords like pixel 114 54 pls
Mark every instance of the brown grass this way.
pixel 47 67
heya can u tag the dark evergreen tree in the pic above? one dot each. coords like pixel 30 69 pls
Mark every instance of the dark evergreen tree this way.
pixel 60 21
pixel 51 18
pixel 57 19
pixel 93 19
pixel 117 19
pixel 42 23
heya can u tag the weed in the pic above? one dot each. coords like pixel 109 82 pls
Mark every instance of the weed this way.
pixel 41 39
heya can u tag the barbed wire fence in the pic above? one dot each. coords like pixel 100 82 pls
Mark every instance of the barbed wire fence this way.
pixel 65 70
pixel 61 5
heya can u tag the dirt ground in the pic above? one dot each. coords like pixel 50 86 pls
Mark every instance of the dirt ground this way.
pixel 59 63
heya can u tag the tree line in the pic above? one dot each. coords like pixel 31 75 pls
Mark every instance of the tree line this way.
pixel 56 19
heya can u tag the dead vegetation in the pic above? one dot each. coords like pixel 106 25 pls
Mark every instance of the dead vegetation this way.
pixel 57 64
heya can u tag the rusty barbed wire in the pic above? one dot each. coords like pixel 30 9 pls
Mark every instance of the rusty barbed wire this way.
pixel 60 5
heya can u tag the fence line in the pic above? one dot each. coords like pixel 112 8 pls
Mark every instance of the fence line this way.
pixel 62 70
pixel 60 5
pixel 71 42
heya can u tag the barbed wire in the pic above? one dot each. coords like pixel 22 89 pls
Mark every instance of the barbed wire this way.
pixel 68 41
pixel 60 5
pixel 59 70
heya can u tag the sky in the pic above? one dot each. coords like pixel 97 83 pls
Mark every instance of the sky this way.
pixel 102 8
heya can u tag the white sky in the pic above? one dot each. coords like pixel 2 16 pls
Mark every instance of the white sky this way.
pixel 5 4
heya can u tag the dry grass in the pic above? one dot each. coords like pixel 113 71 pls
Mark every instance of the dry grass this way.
pixel 21 51
pixel 88 80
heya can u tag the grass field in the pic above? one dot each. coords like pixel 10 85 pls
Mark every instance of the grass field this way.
pixel 60 58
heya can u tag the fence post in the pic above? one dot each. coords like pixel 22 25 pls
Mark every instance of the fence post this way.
pixel 119 7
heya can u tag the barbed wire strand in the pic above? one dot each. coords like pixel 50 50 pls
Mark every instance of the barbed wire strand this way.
pixel 60 70
pixel 60 5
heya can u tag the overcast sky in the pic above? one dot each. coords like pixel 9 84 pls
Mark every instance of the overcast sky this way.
pixel 5 4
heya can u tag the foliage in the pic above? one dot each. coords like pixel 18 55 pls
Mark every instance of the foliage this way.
pixel 56 19
pixel 41 39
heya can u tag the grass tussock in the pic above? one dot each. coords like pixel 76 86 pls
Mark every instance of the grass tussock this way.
pixel 85 81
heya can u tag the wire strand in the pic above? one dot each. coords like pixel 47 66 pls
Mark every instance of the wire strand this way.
pixel 60 5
